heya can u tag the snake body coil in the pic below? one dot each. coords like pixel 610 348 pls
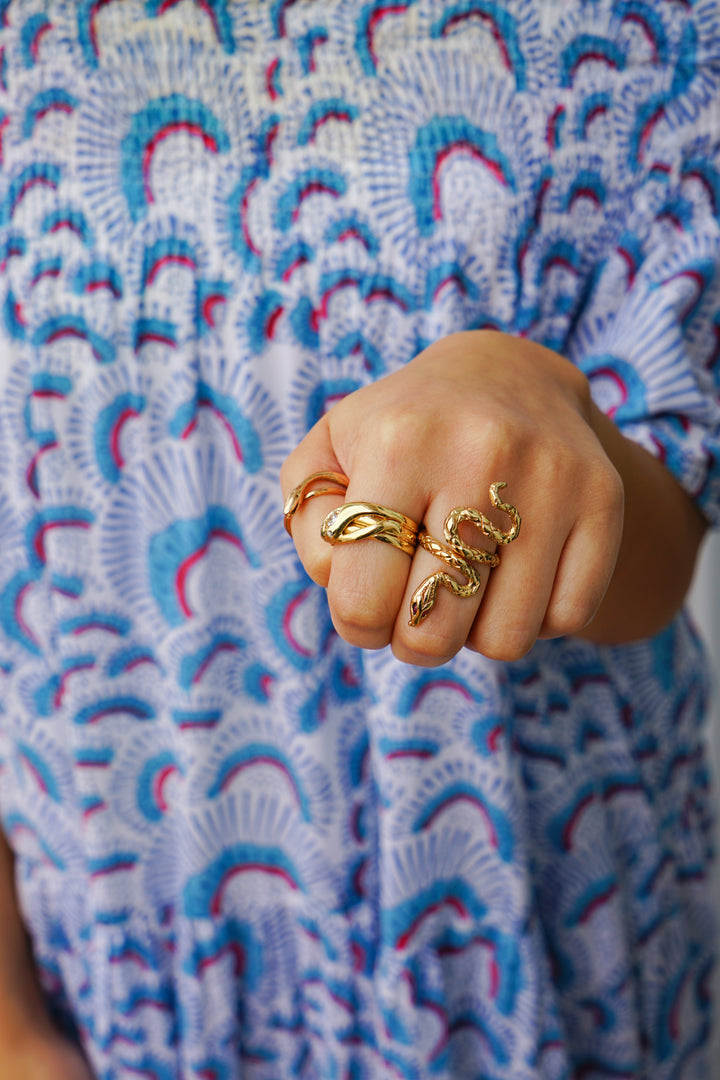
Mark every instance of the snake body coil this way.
pixel 459 556
pixel 362 521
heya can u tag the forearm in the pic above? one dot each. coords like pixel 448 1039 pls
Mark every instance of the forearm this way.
pixel 20 995
pixel 662 531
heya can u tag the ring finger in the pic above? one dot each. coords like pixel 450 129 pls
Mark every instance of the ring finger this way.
pixel 441 618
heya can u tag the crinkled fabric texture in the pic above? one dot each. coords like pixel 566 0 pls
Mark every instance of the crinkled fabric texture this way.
pixel 244 848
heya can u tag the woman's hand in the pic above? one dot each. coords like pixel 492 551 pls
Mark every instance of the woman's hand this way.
pixel 472 409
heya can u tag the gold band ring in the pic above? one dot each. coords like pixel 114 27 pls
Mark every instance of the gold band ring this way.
pixel 459 556
pixel 306 491
pixel 364 520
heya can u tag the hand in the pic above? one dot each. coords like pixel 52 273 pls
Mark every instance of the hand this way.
pixel 472 409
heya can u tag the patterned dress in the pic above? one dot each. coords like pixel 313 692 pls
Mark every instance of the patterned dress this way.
pixel 244 848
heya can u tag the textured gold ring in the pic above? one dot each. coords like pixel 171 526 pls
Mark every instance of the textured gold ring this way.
pixel 457 555
pixel 363 520
pixel 308 490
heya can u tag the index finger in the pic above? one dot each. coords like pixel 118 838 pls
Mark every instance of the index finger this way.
pixel 313 486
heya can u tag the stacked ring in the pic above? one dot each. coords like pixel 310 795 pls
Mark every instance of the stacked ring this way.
pixel 365 520
pixel 306 491
pixel 362 520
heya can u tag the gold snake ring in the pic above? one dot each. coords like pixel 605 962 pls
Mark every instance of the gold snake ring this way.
pixel 363 520
pixel 308 490
pixel 457 554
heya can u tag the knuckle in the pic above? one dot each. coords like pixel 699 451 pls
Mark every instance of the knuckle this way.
pixel 358 611
pixel 557 470
pixel 570 616
pixel 397 436
pixel 418 659
pixel 607 492
pixel 483 440
pixel 317 567
pixel 510 652
pixel 564 624
pixel 501 428
pixel 507 645
pixel 425 649
pixel 616 498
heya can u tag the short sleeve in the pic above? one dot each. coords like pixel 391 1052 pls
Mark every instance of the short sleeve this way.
pixel 649 339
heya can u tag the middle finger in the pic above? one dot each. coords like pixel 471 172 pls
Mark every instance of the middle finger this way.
pixel 443 631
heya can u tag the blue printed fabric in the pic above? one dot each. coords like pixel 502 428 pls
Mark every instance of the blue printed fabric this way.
pixel 244 848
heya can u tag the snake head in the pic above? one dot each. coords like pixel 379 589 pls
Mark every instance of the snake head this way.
pixel 420 606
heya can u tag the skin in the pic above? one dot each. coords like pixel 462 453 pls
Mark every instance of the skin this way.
pixel 608 539
pixel 606 551
pixel 30 1046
